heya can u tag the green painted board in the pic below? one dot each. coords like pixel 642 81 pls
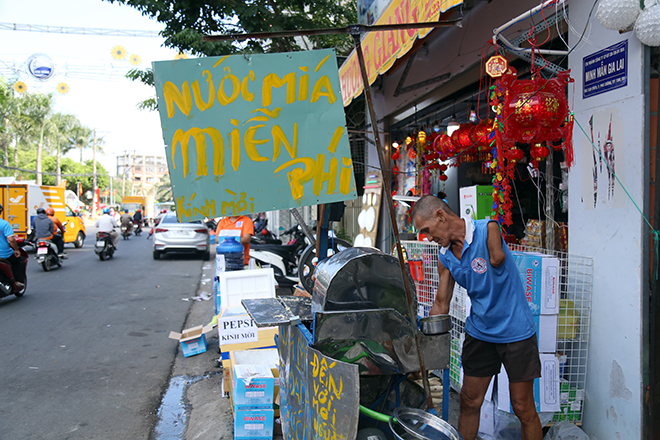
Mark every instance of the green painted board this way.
pixel 252 133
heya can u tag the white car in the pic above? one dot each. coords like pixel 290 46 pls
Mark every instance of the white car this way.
pixel 172 236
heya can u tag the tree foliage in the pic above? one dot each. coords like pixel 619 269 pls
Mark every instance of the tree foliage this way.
pixel 186 22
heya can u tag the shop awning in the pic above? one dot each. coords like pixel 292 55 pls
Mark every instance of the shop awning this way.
pixel 383 48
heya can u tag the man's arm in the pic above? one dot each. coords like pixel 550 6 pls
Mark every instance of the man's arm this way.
pixel 59 224
pixel 245 239
pixel 445 292
pixel 12 242
pixel 494 242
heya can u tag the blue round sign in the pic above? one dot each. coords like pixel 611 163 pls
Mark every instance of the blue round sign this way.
pixel 40 66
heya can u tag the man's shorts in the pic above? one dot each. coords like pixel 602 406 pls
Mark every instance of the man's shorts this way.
pixel 484 359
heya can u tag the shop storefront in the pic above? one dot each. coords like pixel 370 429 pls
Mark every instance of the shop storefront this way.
pixel 582 195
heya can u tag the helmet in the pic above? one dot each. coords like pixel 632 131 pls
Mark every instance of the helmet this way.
pixel 126 211
pixel 106 210
pixel 50 211
pixel 41 211
pixel 138 210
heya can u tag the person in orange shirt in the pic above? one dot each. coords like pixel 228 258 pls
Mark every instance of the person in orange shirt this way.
pixel 242 223
pixel 57 239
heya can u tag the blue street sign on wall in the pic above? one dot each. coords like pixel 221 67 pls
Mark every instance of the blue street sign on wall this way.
pixel 246 134
pixel 605 70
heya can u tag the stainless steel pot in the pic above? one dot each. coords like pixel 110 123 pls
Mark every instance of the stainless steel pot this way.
pixel 435 325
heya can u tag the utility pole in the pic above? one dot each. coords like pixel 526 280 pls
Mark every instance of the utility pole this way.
pixel 123 175
pixel 94 200
pixel 133 177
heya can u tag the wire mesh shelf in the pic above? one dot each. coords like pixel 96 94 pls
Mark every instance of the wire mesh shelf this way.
pixel 574 321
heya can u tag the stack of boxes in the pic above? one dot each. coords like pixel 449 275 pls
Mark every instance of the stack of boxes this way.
pixel 249 355
pixel 540 277
pixel 252 396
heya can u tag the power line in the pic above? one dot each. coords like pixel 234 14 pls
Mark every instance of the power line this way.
pixel 78 30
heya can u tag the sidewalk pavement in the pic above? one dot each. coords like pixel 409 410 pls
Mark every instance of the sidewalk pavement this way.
pixel 209 413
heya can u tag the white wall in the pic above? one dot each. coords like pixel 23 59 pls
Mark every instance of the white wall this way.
pixel 612 233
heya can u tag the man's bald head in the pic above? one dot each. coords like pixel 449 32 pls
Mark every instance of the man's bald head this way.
pixel 427 205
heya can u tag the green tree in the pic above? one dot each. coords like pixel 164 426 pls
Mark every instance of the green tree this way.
pixel 187 22
pixel 37 111
pixel 7 108
pixel 62 137
pixel 164 189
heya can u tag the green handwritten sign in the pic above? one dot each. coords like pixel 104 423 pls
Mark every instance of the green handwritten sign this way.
pixel 254 133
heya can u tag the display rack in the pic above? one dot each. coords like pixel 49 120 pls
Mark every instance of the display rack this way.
pixel 575 287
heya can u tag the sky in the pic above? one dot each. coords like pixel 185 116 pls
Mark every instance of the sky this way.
pixel 99 95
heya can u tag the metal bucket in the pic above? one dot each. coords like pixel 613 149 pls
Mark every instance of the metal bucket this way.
pixel 420 425
pixel 435 325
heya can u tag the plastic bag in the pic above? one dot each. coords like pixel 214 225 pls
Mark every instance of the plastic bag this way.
pixel 565 431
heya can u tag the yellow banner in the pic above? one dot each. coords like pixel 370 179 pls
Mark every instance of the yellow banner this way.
pixel 383 48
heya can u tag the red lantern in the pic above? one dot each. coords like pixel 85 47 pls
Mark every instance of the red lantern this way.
pixel 536 109
pixel 443 177
pixel 515 154
pixel 481 132
pixel 539 152
pixel 446 145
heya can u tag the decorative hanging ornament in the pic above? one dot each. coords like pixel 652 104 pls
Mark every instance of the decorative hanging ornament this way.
pixel 135 60
pixel 539 152
pixel 20 87
pixel 181 56
pixel 496 66
pixel 421 140
pixel 647 26
pixel 535 110
pixel 118 52
pixel 617 15
pixel 63 88
pixel 515 154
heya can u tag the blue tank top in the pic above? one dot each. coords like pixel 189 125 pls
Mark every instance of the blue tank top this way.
pixel 499 312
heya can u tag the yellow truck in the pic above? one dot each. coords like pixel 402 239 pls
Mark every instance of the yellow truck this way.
pixel 21 201
pixel 133 203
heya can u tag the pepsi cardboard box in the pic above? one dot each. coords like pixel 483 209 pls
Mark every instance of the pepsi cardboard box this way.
pixel 253 387
pixel 253 424
pixel 539 274
pixel 192 340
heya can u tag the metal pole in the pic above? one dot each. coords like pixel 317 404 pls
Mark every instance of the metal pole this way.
pixel 94 199
pixel 395 227
pixel 549 201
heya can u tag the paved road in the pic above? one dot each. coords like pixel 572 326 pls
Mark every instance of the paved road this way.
pixel 85 354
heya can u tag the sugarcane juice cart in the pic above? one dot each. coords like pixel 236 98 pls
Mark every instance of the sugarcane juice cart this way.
pixel 349 351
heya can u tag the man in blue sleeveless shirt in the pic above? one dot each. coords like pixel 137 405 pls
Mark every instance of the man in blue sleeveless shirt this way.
pixel 500 328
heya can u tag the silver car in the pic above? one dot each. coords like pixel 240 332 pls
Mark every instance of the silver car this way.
pixel 172 236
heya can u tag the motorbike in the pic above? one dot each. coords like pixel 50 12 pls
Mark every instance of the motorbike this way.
pixel 138 229
pixel 103 246
pixel 262 235
pixel 6 273
pixel 47 255
pixel 126 230
pixel 294 262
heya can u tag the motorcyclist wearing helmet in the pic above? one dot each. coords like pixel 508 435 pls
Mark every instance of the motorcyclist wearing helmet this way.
pixel 126 220
pixel 43 225
pixel 10 252
pixel 137 217
pixel 55 238
pixel 107 223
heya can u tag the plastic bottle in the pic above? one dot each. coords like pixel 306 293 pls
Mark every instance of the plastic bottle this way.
pixel 233 253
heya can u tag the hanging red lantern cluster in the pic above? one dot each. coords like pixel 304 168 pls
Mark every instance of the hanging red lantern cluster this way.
pixel 536 110
pixel 531 111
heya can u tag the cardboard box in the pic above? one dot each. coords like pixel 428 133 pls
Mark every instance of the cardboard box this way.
pixel 546 332
pixel 267 356
pixel 540 278
pixel 546 388
pixel 253 386
pixel 476 202
pixel 192 340
pixel 254 424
